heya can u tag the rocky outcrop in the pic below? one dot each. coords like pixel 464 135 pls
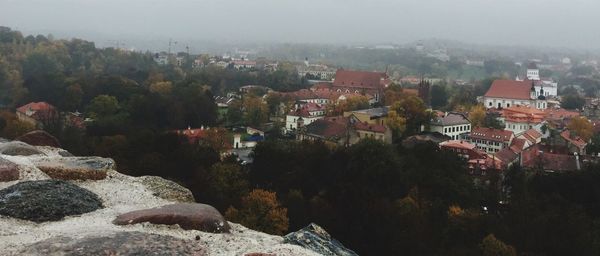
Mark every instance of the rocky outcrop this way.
pixel 315 238
pixel 69 224
pixel 46 200
pixel 167 189
pixel 76 168
pixel 188 216
pixel 17 148
pixel 122 243
pixel 39 138
pixel 8 170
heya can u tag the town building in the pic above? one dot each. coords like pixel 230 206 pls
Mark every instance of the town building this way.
pixel 491 140
pixel 370 116
pixel 335 131
pixel 451 124
pixel 549 86
pixel 519 119
pixel 373 131
pixel 39 114
pixel 304 114
pixel 243 64
pixel 361 82
pixel 463 149
pixel 507 93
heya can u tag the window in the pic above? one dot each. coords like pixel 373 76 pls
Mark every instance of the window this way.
pixel 490 104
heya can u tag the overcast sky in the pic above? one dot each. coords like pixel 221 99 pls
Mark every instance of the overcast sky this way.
pixel 556 23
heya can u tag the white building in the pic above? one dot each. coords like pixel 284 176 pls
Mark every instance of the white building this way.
pixel 491 140
pixel 305 114
pixel 507 93
pixel 451 124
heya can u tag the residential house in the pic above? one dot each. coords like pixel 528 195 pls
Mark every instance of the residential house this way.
pixel 243 64
pixel 361 82
pixel 335 131
pixel 370 116
pixel 491 140
pixel 575 143
pixel 39 114
pixel 451 124
pixel 519 119
pixel 374 131
pixel 304 114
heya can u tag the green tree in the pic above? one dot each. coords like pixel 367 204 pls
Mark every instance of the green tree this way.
pixel 439 96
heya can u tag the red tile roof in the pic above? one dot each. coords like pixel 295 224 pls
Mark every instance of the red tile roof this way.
pixel 510 89
pixel 360 79
pixel 517 145
pixel 532 135
pixel 38 110
pixel 457 144
pixel 328 127
pixel 370 127
pixel 575 140
pixel 491 134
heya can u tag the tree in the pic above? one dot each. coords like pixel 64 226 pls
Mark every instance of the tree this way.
pixel 572 101
pixel 582 127
pixel 256 112
pixel 477 116
pixel 439 96
pixel 260 210
pixel 414 111
pixel 163 87
pixel 103 106
pixel 491 246
pixel 352 102
pixel 396 123
pixel 227 184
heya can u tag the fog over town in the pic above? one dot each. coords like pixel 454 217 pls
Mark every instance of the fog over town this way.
pixel 548 23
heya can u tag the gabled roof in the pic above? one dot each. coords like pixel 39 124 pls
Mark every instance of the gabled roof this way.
pixel 35 107
pixel 518 145
pixel 457 144
pixel 510 89
pixel 360 79
pixel 328 127
pixel 491 134
pixel 506 155
pixel 531 135
pixel 575 140
pixel 370 127
pixel 449 119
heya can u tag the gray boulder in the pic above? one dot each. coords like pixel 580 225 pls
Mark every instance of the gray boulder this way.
pixel 167 189
pixel 315 238
pixel 8 170
pixel 46 200
pixel 122 243
pixel 17 148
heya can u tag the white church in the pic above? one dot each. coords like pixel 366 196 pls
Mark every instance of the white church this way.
pixel 550 88
pixel 507 93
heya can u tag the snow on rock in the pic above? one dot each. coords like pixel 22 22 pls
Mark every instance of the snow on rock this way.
pixel 120 194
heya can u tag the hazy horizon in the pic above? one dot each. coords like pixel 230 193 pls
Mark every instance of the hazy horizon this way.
pixel 544 23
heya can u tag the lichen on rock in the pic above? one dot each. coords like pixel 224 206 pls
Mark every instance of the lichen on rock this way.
pixel 46 200
pixel 76 168
pixel 167 189
pixel 121 243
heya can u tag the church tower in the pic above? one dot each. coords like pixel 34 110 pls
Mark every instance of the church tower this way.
pixel 533 73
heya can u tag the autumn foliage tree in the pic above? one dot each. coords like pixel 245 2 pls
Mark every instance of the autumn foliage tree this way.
pixel 582 127
pixel 260 210
pixel 491 246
